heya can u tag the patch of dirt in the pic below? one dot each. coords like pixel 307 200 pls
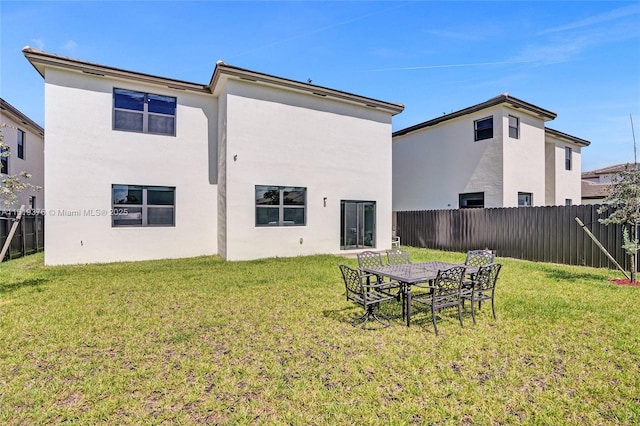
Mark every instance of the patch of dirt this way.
pixel 625 282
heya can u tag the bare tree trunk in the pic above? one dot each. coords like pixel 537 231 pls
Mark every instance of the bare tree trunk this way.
pixel 634 273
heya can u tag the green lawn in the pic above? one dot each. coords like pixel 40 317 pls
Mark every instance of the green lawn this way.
pixel 270 342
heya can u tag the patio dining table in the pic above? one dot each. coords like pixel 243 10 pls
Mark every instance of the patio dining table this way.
pixel 411 274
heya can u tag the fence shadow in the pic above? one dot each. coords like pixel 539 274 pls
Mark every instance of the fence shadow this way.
pixel 17 285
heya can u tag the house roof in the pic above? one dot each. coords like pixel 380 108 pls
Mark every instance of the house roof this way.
pixel 40 59
pixel 608 170
pixel 560 135
pixel 504 98
pixel 20 117
pixel 592 190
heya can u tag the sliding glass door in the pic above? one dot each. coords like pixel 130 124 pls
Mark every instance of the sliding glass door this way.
pixel 358 224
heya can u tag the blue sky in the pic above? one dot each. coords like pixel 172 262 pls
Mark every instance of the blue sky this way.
pixel 578 59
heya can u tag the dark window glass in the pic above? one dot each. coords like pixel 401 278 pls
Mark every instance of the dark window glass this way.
pixel 127 99
pixel 525 199
pixel 267 216
pixel 20 144
pixel 567 158
pixel 4 161
pixel 514 127
pixel 133 121
pixel 162 104
pixel 471 200
pixel 160 215
pixel 144 112
pixel 127 194
pixel 160 196
pixel 280 205
pixel 135 205
pixel 483 128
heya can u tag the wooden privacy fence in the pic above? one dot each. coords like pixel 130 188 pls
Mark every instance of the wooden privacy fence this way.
pixel 29 237
pixel 544 234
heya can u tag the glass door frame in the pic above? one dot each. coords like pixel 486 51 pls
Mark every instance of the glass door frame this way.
pixel 365 233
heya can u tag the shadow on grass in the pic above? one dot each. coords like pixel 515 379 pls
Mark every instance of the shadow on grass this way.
pixel 559 274
pixel 11 287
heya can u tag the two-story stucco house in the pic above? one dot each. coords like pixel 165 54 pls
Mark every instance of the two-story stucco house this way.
pixel 494 154
pixel 25 139
pixel 247 166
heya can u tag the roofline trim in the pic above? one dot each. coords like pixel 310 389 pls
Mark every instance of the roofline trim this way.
pixel 4 105
pixel 570 138
pixel 505 98
pixel 39 57
pixel 244 74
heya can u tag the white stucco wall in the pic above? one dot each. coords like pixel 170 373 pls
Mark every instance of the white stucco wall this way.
pixel 565 184
pixel 33 161
pixel 334 149
pixel 524 159
pixel 85 157
pixel 432 166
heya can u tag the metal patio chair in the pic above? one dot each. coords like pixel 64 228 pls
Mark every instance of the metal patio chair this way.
pixel 446 291
pixel 368 295
pixel 398 257
pixel 482 287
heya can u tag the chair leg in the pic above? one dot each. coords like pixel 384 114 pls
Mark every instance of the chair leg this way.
pixel 493 309
pixel 473 311
pixel 433 318
pixel 370 313
pixel 460 315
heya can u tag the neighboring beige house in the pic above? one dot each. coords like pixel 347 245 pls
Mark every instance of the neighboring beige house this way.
pixel 25 139
pixel 596 183
pixel 247 166
pixel 494 154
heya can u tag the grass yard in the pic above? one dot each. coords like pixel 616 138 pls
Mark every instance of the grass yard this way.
pixel 270 342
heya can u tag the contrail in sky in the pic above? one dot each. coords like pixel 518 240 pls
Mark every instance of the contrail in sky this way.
pixel 428 67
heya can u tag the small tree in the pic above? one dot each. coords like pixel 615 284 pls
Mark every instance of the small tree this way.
pixel 12 185
pixel 624 202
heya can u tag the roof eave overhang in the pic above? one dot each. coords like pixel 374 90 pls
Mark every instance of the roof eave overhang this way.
pixel 40 60
pixel 224 71
pixel 20 117
pixel 504 99
pixel 566 137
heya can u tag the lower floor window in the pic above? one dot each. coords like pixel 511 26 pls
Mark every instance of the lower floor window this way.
pixel 280 205
pixel 471 200
pixel 525 199
pixel 137 205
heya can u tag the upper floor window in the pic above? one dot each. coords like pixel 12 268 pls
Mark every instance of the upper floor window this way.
pixel 514 127
pixel 137 205
pixel 280 205
pixel 4 161
pixel 525 199
pixel 20 144
pixel 144 112
pixel 568 201
pixel 567 158
pixel 471 200
pixel 483 128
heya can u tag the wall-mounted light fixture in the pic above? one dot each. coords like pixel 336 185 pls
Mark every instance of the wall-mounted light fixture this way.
pixel 235 157
pixel 324 200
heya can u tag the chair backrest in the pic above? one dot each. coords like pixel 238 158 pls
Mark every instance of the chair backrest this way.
pixel 449 280
pixel 369 259
pixel 479 258
pixel 398 257
pixel 487 277
pixel 352 281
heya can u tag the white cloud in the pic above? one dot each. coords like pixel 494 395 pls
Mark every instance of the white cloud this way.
pixel 37 43
pixel 70 47
pixel 612 15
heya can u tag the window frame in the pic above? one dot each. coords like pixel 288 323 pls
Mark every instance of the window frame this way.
pixel 123 209
pixel 478 133
pixel 145 113
pixel 281 206
pixel 466 196
pixel 568 157
pixel 530 195
pixel 516 129
pixel 20 143
pixel 4 161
